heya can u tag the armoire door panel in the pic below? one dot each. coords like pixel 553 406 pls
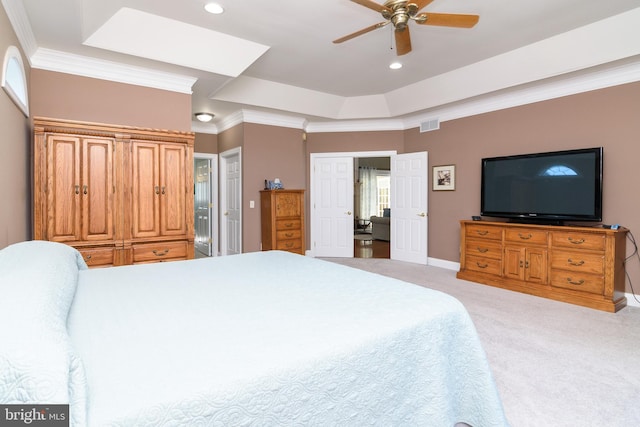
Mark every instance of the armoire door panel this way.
pixel 63 188
pixel 97 189
pixel 146 190
pixel 172 190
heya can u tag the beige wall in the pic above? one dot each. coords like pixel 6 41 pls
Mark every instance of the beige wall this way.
pixel 15 140
pixel 607 118
pixel 66 96
pixel 268 152
pixel 206 143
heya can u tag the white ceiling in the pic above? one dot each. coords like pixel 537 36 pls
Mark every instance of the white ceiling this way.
pixel 278 56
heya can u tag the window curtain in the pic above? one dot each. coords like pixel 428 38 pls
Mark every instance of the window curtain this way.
pixel 368 192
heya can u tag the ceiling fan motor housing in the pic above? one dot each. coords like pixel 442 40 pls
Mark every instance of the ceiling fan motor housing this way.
pixel 401 13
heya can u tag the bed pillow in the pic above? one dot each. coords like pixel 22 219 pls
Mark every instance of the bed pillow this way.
pixel 38 281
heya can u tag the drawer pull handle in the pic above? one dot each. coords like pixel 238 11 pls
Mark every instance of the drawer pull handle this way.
pixel 482 265
pixel 288 234
pixel 576 242
pixel 289 224
pixel 578 283
pixel 482 232
pixel 483 250
pixel 525 237
pixel 576 263
pixel 290 244
pixel 87 258
pixel 160 253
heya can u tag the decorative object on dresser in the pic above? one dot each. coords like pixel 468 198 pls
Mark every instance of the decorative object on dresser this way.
pixel 578 265
pixel 120 195
pixel 282 213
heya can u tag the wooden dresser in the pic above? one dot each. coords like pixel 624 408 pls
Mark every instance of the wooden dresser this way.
pixel 282 217
pixel 121 195
pixel 579 265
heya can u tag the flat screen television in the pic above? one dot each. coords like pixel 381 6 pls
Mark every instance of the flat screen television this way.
pixel 548 187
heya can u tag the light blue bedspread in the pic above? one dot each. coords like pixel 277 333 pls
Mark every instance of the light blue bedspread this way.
pixel 264 339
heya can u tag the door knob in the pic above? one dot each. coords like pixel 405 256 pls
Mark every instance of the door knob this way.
pixel 348 212
pixel 226 214
pixel 422 214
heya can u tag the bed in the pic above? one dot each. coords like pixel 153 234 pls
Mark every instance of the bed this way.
pixel 264 339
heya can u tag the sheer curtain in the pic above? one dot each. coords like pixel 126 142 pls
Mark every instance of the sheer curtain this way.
pixel 368 192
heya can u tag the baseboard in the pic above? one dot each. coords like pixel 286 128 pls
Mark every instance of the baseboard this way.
pixel 631 301
pixel 443 263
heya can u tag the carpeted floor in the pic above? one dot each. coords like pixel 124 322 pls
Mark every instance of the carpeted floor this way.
pixel 555 364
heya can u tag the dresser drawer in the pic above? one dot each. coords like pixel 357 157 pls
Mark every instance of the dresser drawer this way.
pixel 288 234
pixel 289 245
pixel 288 224
pixel 97 257
pixel 484 265
pixel 578 261
pixel 159 251
pixel 588 241
pixel 525 235
pixel 577 281
pixel 484 248
pixel 480 231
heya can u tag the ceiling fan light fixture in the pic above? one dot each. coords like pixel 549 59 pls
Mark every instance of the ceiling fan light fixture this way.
pixel 204 117
pixel 396 65
pixel 214 8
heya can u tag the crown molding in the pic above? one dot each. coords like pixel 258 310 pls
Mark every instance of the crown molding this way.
pixel 261 118
pixel 20 22
pixel 53 60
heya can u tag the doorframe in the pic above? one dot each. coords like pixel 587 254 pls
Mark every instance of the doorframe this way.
pixel 223 198
pixel 312 193
pixel 214 226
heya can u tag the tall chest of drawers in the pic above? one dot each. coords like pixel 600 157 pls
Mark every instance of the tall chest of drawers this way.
pixel 282 220
pixel 579 265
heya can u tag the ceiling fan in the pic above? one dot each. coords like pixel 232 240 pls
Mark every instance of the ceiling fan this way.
pixel 400 12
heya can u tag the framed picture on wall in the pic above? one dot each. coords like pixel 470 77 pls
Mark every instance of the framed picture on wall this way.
pixel 444 178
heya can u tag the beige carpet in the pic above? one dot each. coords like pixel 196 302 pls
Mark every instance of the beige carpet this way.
pixel 555 364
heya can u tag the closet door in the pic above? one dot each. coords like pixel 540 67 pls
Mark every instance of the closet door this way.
pixel 97 191
pixel 63 188
pixel 146 189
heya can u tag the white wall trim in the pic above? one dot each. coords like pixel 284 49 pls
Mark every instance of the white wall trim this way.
pixel 62 62
pixel 20 22
pixel 443 263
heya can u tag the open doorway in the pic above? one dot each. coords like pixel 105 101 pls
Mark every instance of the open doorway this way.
pixel 372 199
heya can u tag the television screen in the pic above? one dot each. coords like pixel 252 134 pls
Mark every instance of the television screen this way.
pixel 554 186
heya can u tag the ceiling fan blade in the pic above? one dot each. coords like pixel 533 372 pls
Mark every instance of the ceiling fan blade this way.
pixel 403 41
pixel 361 32
pixel 373 5
pixel 420 4
pixel 449 20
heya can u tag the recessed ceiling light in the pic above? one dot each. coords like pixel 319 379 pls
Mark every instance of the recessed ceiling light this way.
pixel 213 8
pixel 395 65
pixel 204 117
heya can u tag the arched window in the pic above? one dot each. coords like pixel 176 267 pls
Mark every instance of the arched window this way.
pixel 14 79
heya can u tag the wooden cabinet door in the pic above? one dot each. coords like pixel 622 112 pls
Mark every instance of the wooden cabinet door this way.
pixel 145 174
pixel 536 265
pixel 288 205
pixel 514 262
pixel 173 191
pixel 63 188
pixel 97 190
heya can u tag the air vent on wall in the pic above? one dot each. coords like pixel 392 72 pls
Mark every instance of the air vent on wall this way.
pixel 429 125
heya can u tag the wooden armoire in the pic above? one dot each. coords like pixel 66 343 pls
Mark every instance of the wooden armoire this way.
pixel 119 194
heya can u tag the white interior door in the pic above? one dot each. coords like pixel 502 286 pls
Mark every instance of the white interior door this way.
pixel 202 206
pixel 205 203
pixel 409 214
pixel 231 202
pixel 332 206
